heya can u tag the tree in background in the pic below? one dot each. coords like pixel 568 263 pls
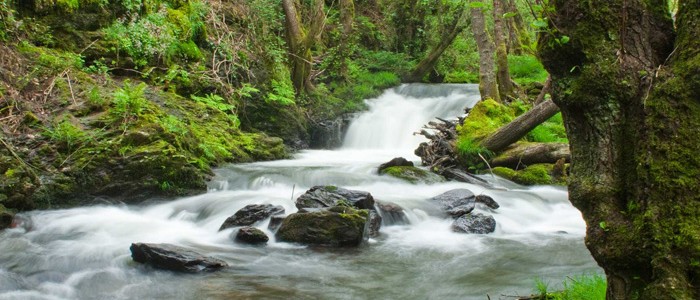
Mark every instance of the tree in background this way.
pixel 300 40
pixel 505 87
pixel 488 86
pixel 628 85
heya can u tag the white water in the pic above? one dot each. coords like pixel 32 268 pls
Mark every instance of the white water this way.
pixel 83 253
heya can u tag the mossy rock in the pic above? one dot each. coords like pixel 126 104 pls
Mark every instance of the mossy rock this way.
pixel 412 174
pixel 338 226
pixel 538 174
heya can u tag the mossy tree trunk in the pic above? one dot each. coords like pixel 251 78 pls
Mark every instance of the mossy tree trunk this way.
pixel 505 87
pixel 301 39
pixel 629 90
pixel 518 35
pixel 488 87
pixel 347 16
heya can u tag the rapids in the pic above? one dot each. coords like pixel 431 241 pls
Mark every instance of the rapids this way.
pixel 83 253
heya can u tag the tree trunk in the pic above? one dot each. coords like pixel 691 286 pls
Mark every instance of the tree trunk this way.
pixel 488 87
pixel 505 87
pixel 524 154
pixel 628 88
pixel 429 62
pixel 347 15
pixel 518 35
pixel 300 40
pixel 516 129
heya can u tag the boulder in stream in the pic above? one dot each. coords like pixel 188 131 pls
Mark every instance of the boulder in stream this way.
pixel 174 258
pixel 329 196
pixel 275 222
pixel 375 222
pixel 456 202
pixel 412 174
pixel 250 214
pixel 474 223
pixel 338 226
pixel 395 162
pixel 251 235
pixel 6 217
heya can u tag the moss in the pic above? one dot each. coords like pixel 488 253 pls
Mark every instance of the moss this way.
pixel 412 174
pixel 338 226
pixel 6 217
pixel 533 175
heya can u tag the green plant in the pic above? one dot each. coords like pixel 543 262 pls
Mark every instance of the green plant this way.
pixel 129 102
pixel 461 77
pixel 583 287
pixel 525 69
pixel 66 135
pixel 216 102
pixel 282 92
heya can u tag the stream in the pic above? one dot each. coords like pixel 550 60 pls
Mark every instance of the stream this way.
pixel 83 253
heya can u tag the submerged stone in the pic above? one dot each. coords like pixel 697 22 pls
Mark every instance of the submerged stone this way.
pixel 174 258
pixel 251 235
pixel 413 174
pixel 250 214
pixel 395 162
pixel 488 201
pixel 392 214
pixel 474 223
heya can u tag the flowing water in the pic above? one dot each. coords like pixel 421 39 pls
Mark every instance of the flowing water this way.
pixel 83 253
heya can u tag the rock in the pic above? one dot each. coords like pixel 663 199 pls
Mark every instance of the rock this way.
pixel 462 176
pixel 375 223
pixel 6 217
pixel 337 227
pixel 174 258
pixel 474 223
pixel 275 222
pixel 328 196
pixel 488 201
pixel 250 214
pixel 251 235
pixel 392 214
pixel 396 162
pixel 456 202
pixel 413 174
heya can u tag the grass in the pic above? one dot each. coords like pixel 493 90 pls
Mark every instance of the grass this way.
pixel 525 69
pixel 582 287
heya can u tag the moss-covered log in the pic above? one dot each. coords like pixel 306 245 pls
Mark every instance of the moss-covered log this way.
pixel 628 86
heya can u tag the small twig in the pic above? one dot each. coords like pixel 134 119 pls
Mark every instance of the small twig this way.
pixel 292 197
pixel 487 164
pixel 70 87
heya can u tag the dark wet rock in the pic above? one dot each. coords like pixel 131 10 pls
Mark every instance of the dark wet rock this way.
pixel 488 201
pixel 413 174
pixel 375 223
pixel 328 196
pixel 337 226
pixel 474 223
pixel 462 176
pixel 250 214
pixel 275 222
pixel 456 202
pixel 392 214
pixel 174 258
pixel 6 217
pixel 251 235
pixel 328 134
pixel 396 162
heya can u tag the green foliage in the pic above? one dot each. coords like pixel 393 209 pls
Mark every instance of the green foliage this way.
pixel 583 287
pixel 282 92
pixel 526 69
pixel 66 135
pixel 536 174
pixel 461 77
pixel 216 102
pixel 551 131
pixel 129 102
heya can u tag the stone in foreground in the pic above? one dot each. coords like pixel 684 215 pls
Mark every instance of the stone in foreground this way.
pixel 336 227
pixel 474 223
pixel 456 202
pixel 250 214
pixel 174 258
pixel 488 201
pixel 329 196
pixel 251 235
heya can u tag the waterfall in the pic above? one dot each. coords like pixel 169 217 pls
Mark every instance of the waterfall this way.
pixel 394 116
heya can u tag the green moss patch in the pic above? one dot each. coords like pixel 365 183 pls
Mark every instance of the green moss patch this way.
pixel 538 174
pixel 412 174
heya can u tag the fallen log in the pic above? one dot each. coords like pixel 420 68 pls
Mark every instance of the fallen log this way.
pixel 524 154
pixel 516 129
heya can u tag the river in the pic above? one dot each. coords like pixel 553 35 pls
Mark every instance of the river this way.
pixel 83 253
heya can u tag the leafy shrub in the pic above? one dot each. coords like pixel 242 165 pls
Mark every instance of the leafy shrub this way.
pixel 129 102
pixel 461 77
pixel 66 135
pixel 216 102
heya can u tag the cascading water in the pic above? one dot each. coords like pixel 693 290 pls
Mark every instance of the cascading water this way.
pixel 83 253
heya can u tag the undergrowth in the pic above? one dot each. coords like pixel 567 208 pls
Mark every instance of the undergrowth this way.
pixel 583 287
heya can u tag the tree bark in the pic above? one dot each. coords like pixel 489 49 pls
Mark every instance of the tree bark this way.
pixel 429 62
pixel 505 87
pixel 488 87
pixel 516 129
pixel 347 15
pixel 523 154
pixel 628 88
pixel 518 35
pixel 300 40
